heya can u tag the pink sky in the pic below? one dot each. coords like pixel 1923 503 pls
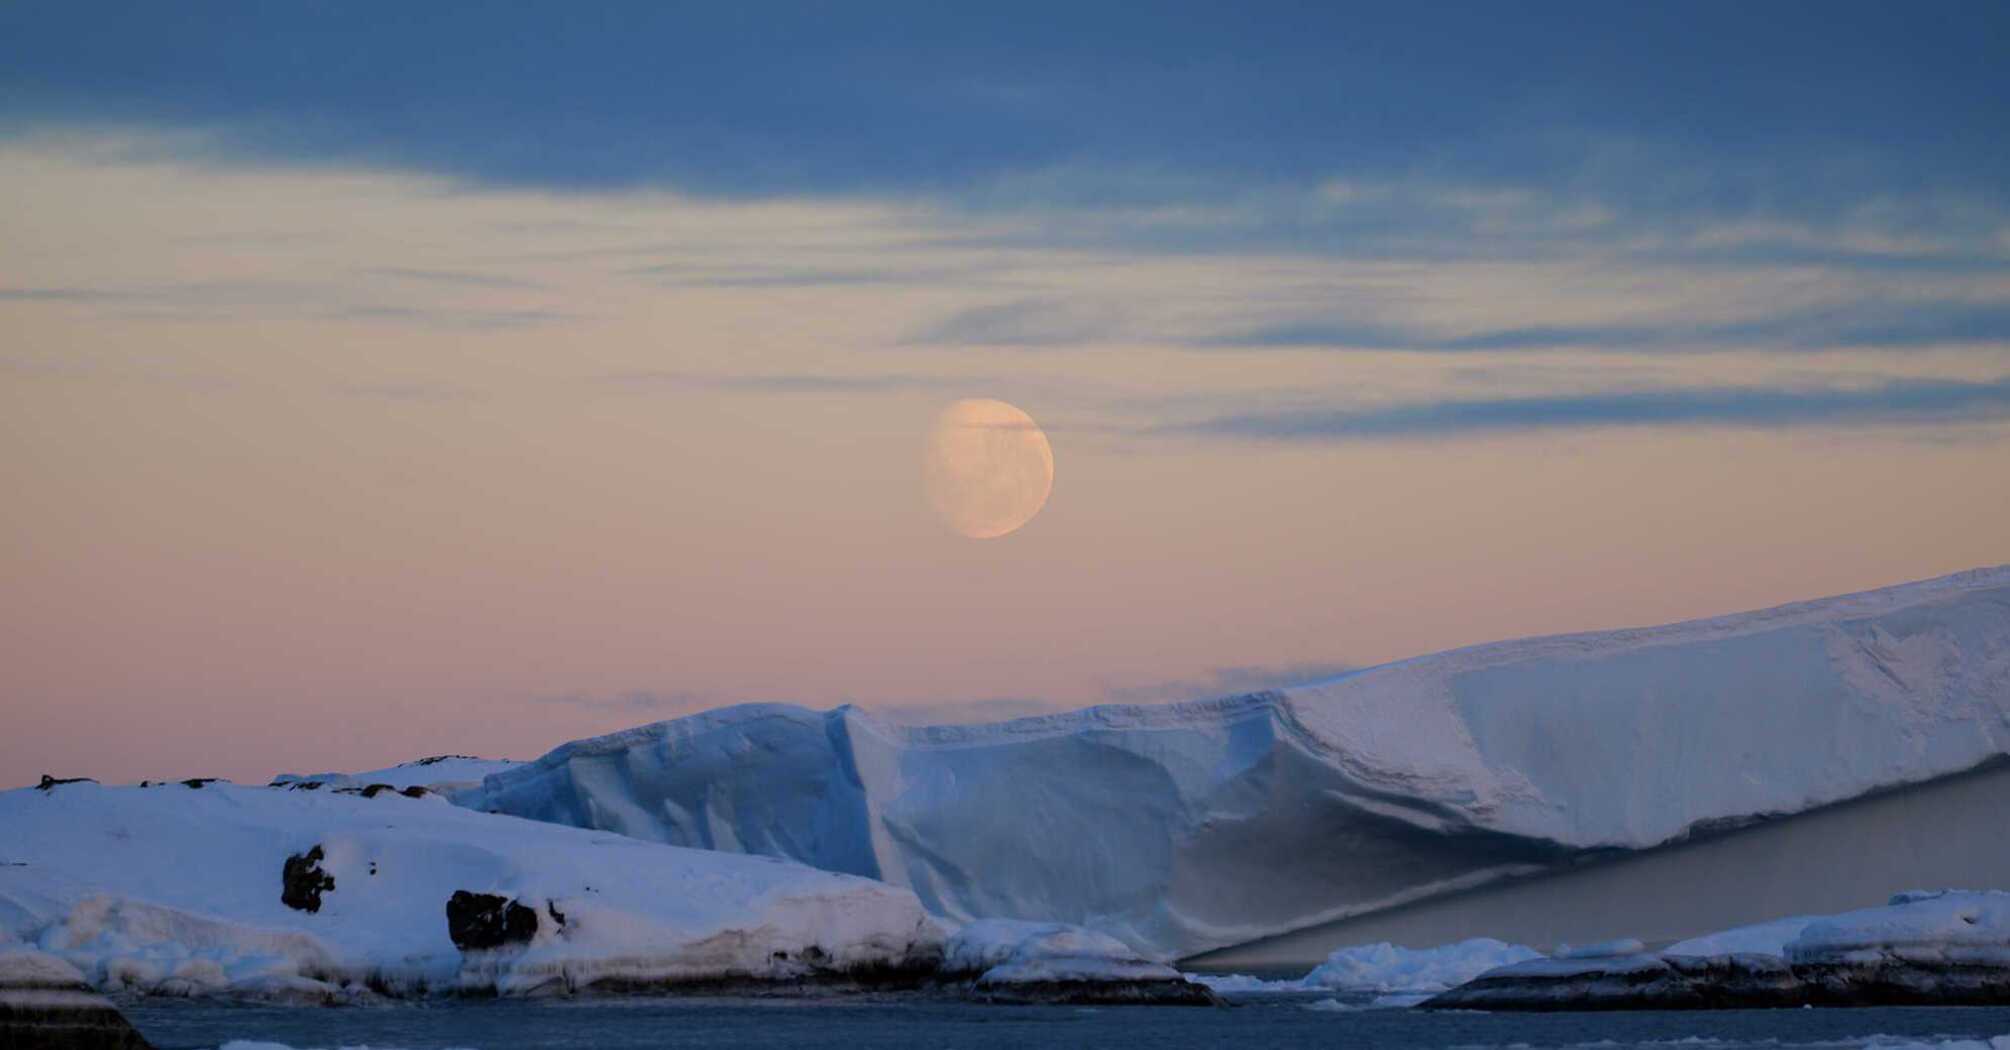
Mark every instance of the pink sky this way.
pixel 313 470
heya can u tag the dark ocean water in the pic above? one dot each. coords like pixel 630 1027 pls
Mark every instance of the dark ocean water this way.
pixel 634 1024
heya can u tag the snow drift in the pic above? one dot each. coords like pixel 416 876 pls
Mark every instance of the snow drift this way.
pixel 178 891
pixel 1189 827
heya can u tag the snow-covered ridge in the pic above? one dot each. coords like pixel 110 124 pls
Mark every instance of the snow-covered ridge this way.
pixel 1186 827
pixel 274 892
pixel 441 773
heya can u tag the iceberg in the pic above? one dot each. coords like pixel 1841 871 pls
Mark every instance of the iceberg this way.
pixel 1359 803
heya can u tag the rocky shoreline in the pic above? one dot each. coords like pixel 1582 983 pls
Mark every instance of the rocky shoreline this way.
pixel 1731 982
pixel 44 1003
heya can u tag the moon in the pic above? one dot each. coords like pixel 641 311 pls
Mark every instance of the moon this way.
pixel 988 468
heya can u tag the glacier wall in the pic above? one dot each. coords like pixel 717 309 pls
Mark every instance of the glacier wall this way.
pixel 1191 827
pixel 1854 854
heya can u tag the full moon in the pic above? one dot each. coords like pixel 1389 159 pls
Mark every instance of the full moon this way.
pixel 988 468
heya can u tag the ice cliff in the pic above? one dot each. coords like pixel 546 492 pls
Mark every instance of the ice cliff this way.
pixel 1194 826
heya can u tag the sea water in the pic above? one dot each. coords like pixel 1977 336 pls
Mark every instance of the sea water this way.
pixel 860 1024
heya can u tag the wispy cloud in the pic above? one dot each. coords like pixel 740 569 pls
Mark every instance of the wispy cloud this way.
pixel 1026 323
pixel 58 295
pixel 414 393
pixel 1857 324
pixel 1227 681
pixel 223 300
pixel 449 317
pixel 458 278
pixel 1895 402
pixel 784 382
pixel 756 275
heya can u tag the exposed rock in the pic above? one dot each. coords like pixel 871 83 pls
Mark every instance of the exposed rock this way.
pixel 198 782
pixel 1178 992
pixel 302 882
pixel 415 791
pixel 44 1004
pixel 49 782
pixel 1905 982
pixel 1727 982
pixel 482 921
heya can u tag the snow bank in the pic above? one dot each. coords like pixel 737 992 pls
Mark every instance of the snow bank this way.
pixel 1195 826
pixel 443 774
pixel 1385 969
pixel 1944 948
pixel 1948 926
pixel 1763 938
pixel 1016 961
pixel 1009 951
pixel 177 891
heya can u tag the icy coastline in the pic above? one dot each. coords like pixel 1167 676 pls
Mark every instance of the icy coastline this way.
pixel 1191 827
pixel 1950 948
pixel 281 893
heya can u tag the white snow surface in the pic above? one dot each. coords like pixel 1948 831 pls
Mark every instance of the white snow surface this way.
pixel 1011 951
pixel 21 965
pixel 1943 926
pixel 1761 938
pixel 443 774
pixel 172 890
pixel 1954 926
pixel 1386 969
pixel 1188 827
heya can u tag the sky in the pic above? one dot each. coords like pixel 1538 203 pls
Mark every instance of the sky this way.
pixel 384 380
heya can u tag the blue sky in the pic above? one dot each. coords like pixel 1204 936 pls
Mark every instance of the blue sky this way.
pixel 1786 105
pixel 1461 131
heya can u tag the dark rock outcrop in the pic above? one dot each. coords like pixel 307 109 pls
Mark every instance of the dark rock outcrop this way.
pixel 484 921
pixel 1728 982
pixel 1176 992
pixel 49 782
pixel 44 1004
pixel 197 782
pixel 302 882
